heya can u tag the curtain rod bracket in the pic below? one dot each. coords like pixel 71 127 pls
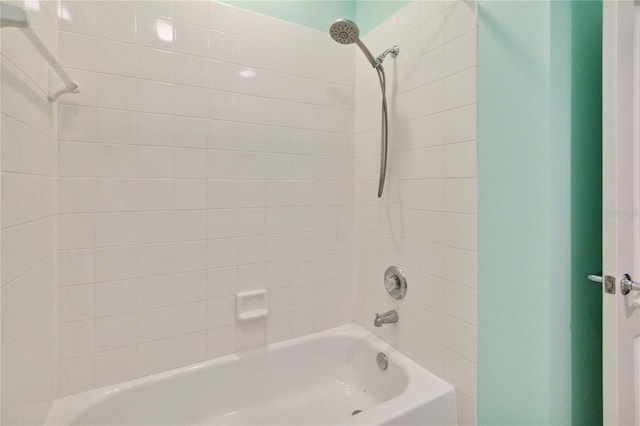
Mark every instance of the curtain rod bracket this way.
pixel 15 16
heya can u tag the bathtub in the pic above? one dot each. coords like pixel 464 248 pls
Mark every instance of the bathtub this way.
pixel 319 379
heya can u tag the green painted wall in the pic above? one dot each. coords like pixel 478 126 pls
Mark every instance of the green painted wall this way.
pixel 514 229
pixel 370 13
pixel 310 13
pixel 320 14
pixel 586 208
pixel 539 140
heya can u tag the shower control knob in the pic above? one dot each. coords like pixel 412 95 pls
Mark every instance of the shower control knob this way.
pixel 395 282
pixel 392 283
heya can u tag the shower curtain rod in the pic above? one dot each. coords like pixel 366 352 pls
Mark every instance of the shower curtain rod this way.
pixel 14 16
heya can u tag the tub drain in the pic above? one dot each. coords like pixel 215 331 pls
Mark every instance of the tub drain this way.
pixel 356 412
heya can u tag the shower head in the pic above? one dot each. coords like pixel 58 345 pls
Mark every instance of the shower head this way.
pixel 344 31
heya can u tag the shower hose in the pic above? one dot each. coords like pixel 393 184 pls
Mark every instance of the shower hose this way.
pixel 384 130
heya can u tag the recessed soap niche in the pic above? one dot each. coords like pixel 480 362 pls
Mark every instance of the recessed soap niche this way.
pixel 251 305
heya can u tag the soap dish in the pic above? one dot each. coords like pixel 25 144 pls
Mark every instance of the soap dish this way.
pixel 251 305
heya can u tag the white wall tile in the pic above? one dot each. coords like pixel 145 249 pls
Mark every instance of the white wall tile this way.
pixel 189 348
pixel 462 18
pixel 427 224
pixel 222 164
pixel 461 53
pixel 154 162
pixel 155 227
pixel 278 328
pixel 115 366
pixel 76 267
pixel 460 160
pixel 115 331
pixel 221 341
pixel 223 105
pixel 251 277
pixel 113 298
pixel 160 8
pixel 191 287
pixel 189 317
pixel 221 311
pixel 191 39
pixel 76 339
pixel 154 357
pixel 190 194
pixel 75 375
pixel 155 292
pixel 197 180
pixel 156 97
pixel 461 124
pixel 155 31
pixel 190 256
pixel 76 51
pixel 115 23
pixel 154 129
pixel 116 58
pixel 116 263
pixel 77 17
pixel 155 194
pixel 190 163
pixel 115 161
pixel 76 303
pixel 113 195
pixel 154 324
pixel 155 64
pixel 76 231
pixel 461 88
pixel 191 102
pixel 191 70
pixel 191 225
pixel 114 229
pixel 117 92
pixel 113 126
pixel 190 132
pixel 223 17
pixel 222 253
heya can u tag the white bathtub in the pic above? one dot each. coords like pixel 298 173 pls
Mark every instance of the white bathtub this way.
pixel 318 379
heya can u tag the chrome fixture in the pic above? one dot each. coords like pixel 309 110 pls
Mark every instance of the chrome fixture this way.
pixel 14 16
pixel 345 31
pixel 395 282
pixel 382 361
pixel 394 51
pixel 608 280
pixel 388 317
pixel 627 284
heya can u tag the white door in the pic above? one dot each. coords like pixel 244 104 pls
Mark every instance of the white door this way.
pixel 621 210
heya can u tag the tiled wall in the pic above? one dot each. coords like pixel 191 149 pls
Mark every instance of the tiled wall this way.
pixel 210 151
pixel 426 221
pixel 28 223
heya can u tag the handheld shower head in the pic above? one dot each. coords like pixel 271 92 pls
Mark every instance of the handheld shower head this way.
pixel 344 31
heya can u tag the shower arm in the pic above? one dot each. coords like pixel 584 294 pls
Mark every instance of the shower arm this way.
pixel 377 62
pixel 392 50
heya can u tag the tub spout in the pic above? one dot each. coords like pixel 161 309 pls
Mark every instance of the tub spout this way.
pixel 386 318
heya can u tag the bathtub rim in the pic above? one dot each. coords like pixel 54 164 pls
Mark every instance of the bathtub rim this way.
pixel 420 381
